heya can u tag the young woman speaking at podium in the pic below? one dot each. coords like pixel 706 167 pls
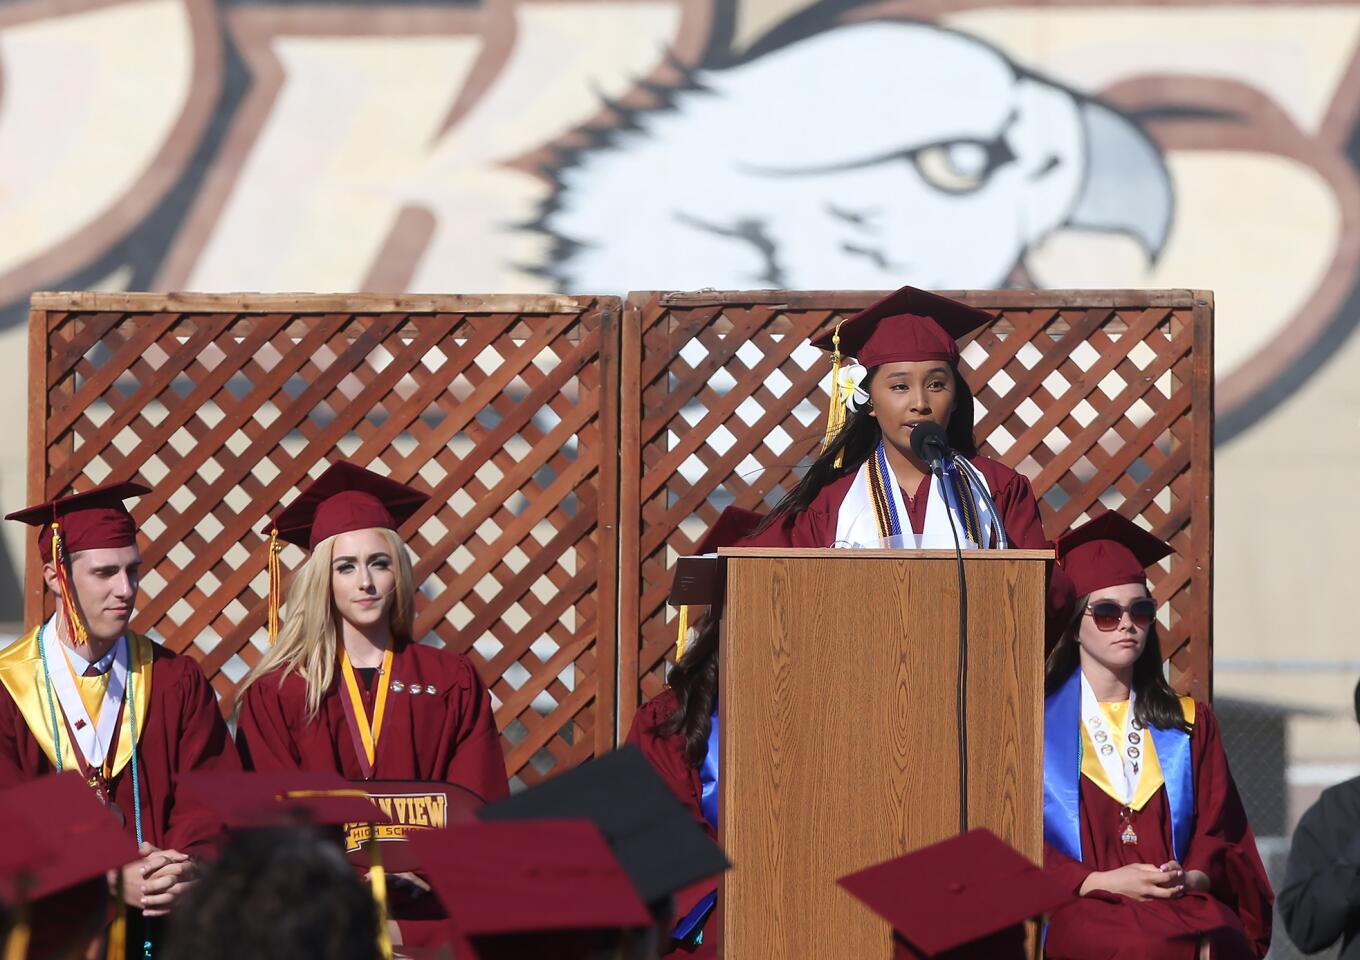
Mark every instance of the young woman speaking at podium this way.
pixel 1141 815
pixel 895 367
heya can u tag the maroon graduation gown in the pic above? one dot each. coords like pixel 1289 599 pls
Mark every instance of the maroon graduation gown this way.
pixel 816 526
pixel 182 731
pixel 666 754
pixel 1235 916
pixel 449 735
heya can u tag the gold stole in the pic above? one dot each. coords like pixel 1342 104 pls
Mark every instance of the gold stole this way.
pixel 1150 779
pixel 21 671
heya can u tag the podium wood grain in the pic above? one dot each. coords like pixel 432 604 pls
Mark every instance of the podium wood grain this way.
pixel 838 705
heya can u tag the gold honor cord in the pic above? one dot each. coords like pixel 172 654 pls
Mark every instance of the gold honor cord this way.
pixel 377 879
pixel 368 733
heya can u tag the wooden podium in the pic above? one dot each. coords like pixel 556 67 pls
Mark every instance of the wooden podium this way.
pixel 838 704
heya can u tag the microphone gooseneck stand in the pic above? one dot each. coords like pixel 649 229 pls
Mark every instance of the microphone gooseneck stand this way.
pixel 930 442
pixel 961 694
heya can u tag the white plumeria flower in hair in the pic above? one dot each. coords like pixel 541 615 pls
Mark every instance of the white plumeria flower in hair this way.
pixel 851 376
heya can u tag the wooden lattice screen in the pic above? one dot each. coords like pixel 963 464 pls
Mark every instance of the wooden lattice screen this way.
pixel 1099 397
pixel 505 407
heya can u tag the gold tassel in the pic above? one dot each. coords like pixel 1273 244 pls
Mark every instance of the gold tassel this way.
pixel 835 414
pixel 116 949
pixel 16 944
pixel 377 878
pixel 68 595
pixel 682 634
pixel 275 586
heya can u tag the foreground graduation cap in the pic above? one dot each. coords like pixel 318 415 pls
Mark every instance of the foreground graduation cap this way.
pixel 59 844
pixel 540 888
pixel 250 800
pixel 655 839
pixel 60 836
pixel 966 897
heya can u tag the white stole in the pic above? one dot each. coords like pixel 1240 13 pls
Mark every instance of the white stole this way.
pixel 1123 771
pixel 857 522
pixel 91 738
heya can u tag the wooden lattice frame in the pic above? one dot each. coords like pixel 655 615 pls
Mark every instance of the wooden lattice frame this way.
pixel 504 406
pixel 691 363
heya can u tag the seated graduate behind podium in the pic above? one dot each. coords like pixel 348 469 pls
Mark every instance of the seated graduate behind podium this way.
pixel 345 687
pixel 1141 815
pixel 677 732
pixel 82 692
pixel 895 365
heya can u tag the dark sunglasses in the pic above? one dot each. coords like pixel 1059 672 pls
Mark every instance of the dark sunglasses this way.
pixel 1107 613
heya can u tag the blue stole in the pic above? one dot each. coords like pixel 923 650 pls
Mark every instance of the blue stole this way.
pixel 1062 773
pixel 690 928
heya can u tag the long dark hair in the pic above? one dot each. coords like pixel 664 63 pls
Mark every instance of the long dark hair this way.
pixel 1155 703
pixel 694 680
pixel 858 439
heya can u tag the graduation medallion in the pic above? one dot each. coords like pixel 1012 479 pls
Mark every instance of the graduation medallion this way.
pixel 103 792
pixel 1129 836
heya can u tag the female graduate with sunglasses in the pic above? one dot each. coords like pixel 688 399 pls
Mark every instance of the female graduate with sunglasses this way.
pixel 1141 816
pixel 895 367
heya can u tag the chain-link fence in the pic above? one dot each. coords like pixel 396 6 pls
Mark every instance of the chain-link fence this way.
pixel 1284 748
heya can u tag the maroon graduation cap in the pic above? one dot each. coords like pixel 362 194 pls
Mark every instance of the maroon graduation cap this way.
pixel 966 897
pixel 529 888
pixel 1108 551
pixel 908 324
pixel 92 520
pixel 244 800
pixel 700 579
pixel 60 836
pixel 343 499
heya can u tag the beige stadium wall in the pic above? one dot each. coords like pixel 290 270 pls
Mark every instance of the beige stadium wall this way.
pixel 604 146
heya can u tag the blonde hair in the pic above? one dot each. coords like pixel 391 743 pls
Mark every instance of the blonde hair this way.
pixel 309 640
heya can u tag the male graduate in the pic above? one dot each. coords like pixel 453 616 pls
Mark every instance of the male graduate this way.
pixel 81 692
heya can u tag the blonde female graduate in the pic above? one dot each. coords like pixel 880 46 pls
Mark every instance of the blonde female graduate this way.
pixel 1141 816
pixel 346 688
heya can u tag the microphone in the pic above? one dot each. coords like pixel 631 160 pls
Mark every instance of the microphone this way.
pixel 931 444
